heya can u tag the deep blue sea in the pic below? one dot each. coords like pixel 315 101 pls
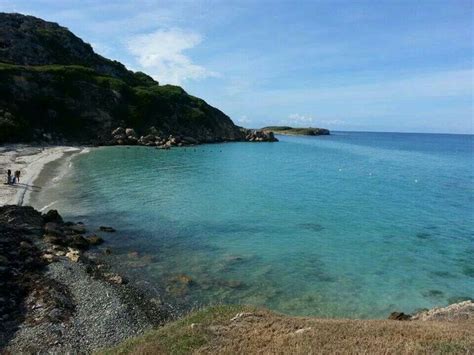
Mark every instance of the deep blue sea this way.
pixel 353 225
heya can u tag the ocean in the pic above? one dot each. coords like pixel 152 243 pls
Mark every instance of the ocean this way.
pixel 352 225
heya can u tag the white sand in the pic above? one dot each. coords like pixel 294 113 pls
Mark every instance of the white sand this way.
pixel 29 160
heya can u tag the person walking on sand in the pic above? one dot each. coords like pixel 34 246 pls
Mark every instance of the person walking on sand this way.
pixel 17 176
pixel 9 177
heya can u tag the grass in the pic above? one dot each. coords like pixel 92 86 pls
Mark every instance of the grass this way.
pixel 182 336
pixel 213 330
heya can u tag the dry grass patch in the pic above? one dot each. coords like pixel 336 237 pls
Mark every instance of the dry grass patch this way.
pixel 233 329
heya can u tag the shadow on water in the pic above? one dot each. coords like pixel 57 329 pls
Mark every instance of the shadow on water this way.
pixel 315 227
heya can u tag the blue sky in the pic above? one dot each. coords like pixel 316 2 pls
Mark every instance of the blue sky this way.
pixel 404 66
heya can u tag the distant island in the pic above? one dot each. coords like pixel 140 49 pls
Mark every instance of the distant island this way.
pixel 297 131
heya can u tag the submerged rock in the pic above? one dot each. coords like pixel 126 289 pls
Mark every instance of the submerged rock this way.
pixel 78 228
pixel 95 240
pixel 184 279
pixel 106 229
pixel 179 285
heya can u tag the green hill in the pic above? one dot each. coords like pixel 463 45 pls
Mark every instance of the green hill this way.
pixel 53 87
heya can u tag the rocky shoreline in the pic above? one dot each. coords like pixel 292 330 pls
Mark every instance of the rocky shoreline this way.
pixel 57 297
pixel 156 138
pixel 57 294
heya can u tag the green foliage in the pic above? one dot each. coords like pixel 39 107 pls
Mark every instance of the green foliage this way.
pixel 144 79
pixel 53 82
pixel 69 92
pixel 278 128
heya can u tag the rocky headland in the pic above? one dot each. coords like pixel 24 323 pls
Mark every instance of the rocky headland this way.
pixel 55 89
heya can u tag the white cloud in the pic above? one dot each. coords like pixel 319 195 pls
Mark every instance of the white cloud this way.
pixel 161 54
pixel 243 120
pixel 297 120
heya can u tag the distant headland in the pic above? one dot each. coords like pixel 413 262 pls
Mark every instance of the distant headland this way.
pixel 310 131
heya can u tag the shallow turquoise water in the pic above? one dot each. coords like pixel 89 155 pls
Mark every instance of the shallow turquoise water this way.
pixel 350 225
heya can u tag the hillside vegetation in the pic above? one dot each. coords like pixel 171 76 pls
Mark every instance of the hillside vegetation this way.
pixel 54 87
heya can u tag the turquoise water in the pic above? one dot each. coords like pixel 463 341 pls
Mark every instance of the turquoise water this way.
pixel 350 225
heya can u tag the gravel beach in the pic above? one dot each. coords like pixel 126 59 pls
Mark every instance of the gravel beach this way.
pixel 104 315
pixel 54 302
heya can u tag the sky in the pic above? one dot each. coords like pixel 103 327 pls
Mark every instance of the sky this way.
pixel 400 66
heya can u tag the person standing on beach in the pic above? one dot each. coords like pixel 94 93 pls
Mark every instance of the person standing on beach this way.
pixel 17 176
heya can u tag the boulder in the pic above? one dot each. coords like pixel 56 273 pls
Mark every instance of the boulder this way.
pixel 118 131
pixel 54 239
pixel 52 216
pixel 130 132
pixel 147 140
pixel 52 228
pixel 114 278
pixel 78 242
pixel 49 258
pixel 73 255
pixel 399 316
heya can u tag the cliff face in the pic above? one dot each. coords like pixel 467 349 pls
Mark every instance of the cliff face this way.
pixel 54 87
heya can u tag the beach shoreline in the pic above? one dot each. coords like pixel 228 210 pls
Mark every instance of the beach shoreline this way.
pixel 30 160
pixel 90 277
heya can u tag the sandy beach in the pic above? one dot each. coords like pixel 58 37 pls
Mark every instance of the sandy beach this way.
pixel 29 160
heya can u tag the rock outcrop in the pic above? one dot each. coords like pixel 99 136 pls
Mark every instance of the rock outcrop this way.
pixel 461 311
pixel 455 312
pixel 258 135
pixel 55 89
pixel 154 138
